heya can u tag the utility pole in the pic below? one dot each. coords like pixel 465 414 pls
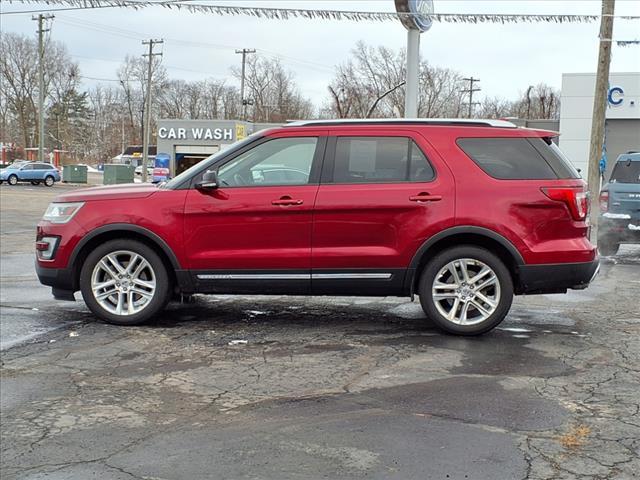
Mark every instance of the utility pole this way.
pixel 470 91
pixel 147 110
pixel 41 31
pixel 243 102
pixel 600 111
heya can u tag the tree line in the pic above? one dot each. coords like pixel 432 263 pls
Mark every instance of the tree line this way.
pixel 95 123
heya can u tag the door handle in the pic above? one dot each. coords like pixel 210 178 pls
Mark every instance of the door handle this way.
pixel 425 197
pixel 286 201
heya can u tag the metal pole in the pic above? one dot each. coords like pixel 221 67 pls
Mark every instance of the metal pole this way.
pixel 413 66
pixel 122 152
pixel 147 122
pixel 599 112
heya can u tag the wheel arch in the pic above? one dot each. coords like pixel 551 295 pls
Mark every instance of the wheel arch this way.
pixel 123 231
pixel 464 235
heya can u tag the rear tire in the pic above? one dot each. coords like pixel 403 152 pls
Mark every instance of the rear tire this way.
pixel 466 290
pixel 49 181
pixel 608 246
pixel 12 180
pixel 125 282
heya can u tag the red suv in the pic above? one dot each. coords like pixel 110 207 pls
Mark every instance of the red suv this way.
pixel 464 214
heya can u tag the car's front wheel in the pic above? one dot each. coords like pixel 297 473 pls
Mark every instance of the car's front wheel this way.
pixel 124 282
pixel 466 290
pixel 12 180
pixel 49 181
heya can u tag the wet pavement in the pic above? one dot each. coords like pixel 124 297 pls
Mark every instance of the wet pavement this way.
pixel 294 387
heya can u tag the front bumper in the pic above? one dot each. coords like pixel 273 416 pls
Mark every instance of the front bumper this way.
pixel 61 280
pixel 556 278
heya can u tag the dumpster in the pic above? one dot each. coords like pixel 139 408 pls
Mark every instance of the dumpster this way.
pixel 74 173
pixel 116 173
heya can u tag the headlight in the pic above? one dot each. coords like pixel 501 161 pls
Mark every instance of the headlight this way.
pixel 61 212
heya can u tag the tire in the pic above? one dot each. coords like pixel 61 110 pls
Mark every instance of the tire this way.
pixel 12 180
pixel 35 182
pixel 49 181
pixel 115 307
pixel 478 316
pixel 608 246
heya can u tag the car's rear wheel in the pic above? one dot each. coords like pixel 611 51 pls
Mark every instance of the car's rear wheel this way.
pixel 466 290
pixel 35 182
pixel 608 245
pixel 12 180
pixel 124 282
pixel 49 181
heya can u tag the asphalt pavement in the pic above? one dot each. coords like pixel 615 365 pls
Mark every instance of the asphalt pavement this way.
pixel 303 388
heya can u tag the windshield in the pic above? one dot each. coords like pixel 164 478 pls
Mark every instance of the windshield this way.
pixel 189 172
pixel 626 172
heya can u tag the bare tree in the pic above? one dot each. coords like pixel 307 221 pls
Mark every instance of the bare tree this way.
pixel 371 83
pixel 275 95
pixel 133 79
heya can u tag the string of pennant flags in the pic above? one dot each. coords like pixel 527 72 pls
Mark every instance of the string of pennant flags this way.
pixel 320 14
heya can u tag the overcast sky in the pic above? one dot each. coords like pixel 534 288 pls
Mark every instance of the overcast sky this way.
pixel 507 58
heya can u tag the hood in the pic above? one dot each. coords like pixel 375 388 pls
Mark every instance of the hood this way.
pixel 108 192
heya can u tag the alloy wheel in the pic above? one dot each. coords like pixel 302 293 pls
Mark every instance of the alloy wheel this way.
pixel 123 282
pixel 466 291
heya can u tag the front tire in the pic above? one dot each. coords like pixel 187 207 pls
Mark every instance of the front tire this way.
pixel 124 282
pixel 49 181
pixel 466 290
pixel 12 180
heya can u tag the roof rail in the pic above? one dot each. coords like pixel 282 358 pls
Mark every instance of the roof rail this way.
pixel 465 122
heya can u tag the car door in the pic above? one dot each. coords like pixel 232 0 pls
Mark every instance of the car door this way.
pixel 253 233
pixel 26 172
pixel 381 196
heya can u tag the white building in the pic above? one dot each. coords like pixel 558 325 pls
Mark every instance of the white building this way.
pixel 623 116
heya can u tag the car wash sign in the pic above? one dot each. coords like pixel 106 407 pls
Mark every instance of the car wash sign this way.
pixel 196 133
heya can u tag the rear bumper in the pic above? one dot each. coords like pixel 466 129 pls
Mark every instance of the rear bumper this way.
pixel 556 278
pixel 622 227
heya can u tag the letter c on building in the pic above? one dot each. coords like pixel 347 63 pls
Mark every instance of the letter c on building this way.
pixel 162 132
pixel 618 91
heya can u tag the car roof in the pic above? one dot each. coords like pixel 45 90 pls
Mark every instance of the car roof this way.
pixel 465 122
pixel 629 157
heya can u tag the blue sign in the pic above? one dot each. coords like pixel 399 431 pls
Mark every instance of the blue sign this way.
pixel 615 96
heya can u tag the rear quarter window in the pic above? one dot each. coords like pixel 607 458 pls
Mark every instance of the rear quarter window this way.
pixel 518 158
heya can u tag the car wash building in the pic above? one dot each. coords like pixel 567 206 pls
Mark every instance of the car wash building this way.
pixel 187 142
pixel 622 128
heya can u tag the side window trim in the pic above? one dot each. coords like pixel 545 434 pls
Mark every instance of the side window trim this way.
pixel 328 167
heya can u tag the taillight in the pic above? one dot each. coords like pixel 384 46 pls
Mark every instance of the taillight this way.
pixel 604 201
pixel 575 198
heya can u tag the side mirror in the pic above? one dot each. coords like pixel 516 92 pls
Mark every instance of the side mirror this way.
pixel 209 181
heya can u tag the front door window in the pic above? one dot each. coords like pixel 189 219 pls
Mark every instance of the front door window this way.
pixel 281 161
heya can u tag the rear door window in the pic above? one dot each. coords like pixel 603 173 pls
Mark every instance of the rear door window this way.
pixel 379 160
pixel 626 172
pixel 518 158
